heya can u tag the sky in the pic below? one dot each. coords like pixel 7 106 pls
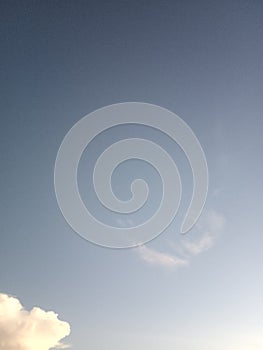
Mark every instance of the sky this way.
pixel 61 60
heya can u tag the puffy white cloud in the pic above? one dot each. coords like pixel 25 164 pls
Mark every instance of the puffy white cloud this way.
pixel 29 330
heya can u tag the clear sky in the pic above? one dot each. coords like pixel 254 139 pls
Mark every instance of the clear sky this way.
pixel 60 60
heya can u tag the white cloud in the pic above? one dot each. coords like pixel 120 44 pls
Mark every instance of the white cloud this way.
pixel 29 330
pixel 202 239
pixel 210 226
pixel 154 257
pixel 205 243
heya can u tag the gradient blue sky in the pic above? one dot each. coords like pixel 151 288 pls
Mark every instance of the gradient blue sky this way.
pixel 202 60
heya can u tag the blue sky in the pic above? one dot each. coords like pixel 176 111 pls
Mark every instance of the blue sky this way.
pixel 203 61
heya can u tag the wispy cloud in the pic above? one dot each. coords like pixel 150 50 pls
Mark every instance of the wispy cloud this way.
pixel 205 243
pixel 210 226
pixel 154 257
pixel 206 233
pixel 29 330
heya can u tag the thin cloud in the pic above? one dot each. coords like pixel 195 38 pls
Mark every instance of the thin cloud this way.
pixel 210 227
pixel 29 330
pixel 205 243
pixel 154 257
pixel 207 231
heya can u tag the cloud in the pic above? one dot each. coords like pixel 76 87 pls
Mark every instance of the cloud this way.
pixel 205 243
pixel 154 257
pixel 206 233
pixel 210 226
pixel 29 330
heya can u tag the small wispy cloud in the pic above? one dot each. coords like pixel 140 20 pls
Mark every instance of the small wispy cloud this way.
pixel 209 227
pixel 154 257
pixel 29 330
pixel 205 243
pixel 204 238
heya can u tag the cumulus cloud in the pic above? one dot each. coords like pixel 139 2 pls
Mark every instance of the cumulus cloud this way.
pixel 202 239
pixel 29 330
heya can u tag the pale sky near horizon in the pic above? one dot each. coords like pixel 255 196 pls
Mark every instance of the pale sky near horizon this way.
pixel 61 60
